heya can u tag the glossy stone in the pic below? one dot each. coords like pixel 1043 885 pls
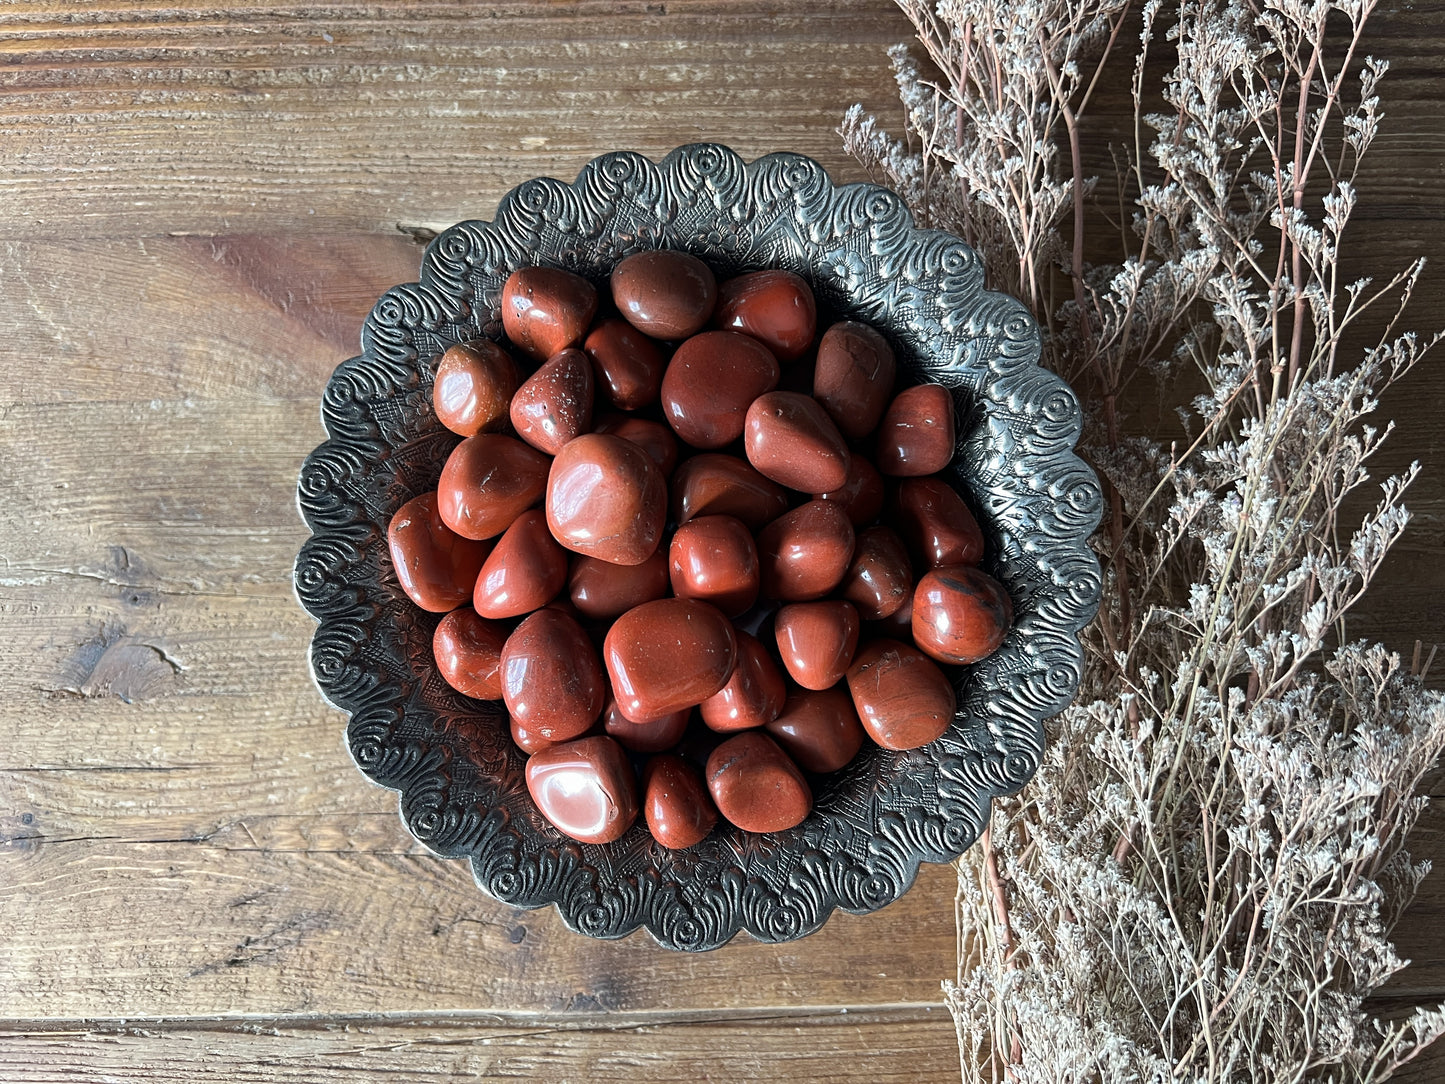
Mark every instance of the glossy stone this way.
pixel 675 802
pixel 862 494
pixel 902 698
pixel 524 572
pixel 488 481
pixel 668 655
pixel 792 441
pixel 817 641
pixel 545 310
pixel 551 680
pixel 775 307
pixel 713 559
pixel 653 736
pixel 899 624
pixel 724 485
pixel 937 524
pixel 755 786
pixel 879 576
pixel 468 653
pixel 652 437
pixel 473 387
pixel 804 553
pixel 586 788
pixel 600 589
pixel 960 614
pixel 628 365
pixel 711 381
pixel 526 740
pixel 853 377
pixel 667 294
pixel 606 499
pixel 555 403
pixel 916 436
pixel 819 729
pixel 753 695
pixel 434 565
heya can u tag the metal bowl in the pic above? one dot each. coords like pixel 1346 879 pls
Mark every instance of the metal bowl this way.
pixel 460 778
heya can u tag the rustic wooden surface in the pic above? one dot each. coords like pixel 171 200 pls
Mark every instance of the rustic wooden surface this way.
pixel 197 208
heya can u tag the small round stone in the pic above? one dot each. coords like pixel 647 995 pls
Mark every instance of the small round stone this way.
pixel 917 435
pixel 753 695
pixel 675 803
pixel 555 404
pixel 434 565
pixel 775 307
pixel 600 589
pixel 524 572
pixel 880 576
pixel 960 614
pixel 792 441
pixel 711 381
pixel 755 786
pixel 853 377
pixel 468 653
pixel 545 310
pixel 488 481
pixel 713 559
pixel 817 641
pixel 606 499
pixel 551 680
pixel 804 553
pixel 819 729
pixel 653 736
pixel 901 696
pixel 586 788
pixel 724 485
pixel 664 293
pixel 937 524
pixel 474 385
pixel 862 494
pixel 668 655
pixel 628 364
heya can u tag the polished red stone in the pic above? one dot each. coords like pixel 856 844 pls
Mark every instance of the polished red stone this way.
pixel 901 696
pixel 667 294
pixel 853 377
pixel 545 310
pixel 713 559
pixel 653 736
pixel 774 307
pixel 434 565
pixel 473 387
pixel 555 404
pixel 488 481
pixel 960 614
pixel 937 524
pixel 753 695
pixel 606 499
pixel 711 381
pixel 879 577
pixel 917 434
pixel 724 485
pixel 817 641
pixel 899 624
pixel 791 440
pixel 675 802
pixel 804 553
pixel 468 653
pixel 526 740
pixel 668 655
pixel 628 364
pixel 652 437
pixel 586 788
pixel 551 680
pixel 862 494
pixel 600 589
pixel 524 572
pixel 819 729
pixel 755 786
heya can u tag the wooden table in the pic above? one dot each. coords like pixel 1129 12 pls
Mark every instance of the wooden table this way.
pixel 197 208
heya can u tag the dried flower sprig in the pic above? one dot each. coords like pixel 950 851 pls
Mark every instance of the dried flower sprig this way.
pixel 1202 881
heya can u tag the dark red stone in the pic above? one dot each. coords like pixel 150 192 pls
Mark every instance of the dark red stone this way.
pixel 650 737
pixel 667 294
pixel 675 803
pixel 775 307
pixel 468 653
pixel 524 572
pixel 668 655
pixel 434 565
pixel 791 440
pixel 586 788
pixel 879 577
pixel 545 310
pixel 819 729
pixel 555 404
pixel 600 589
pixel 711 381
pixel 628 364
pixel 606 499
pixel 902 698
pixel 917 435
pixel 960 614
pixel 713 559
pixel 724 485
pixel 551 680
pixel 753 695
pixel 817 641
pixel 488 481
pixel 862 494
pixel 853 377
pixel 652 437
pixel 804 553
pixel 755 786
pixel 473 387
pixel 937 524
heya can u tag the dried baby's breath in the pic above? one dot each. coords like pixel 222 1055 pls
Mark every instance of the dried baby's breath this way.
pixel 1202 881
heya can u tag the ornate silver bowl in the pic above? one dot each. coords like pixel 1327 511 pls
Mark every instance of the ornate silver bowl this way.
pixel 460 778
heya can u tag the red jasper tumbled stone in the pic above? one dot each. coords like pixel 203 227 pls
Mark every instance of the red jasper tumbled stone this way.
pixel 545 310
pixel 524 572
pixel 853 377
pixel 960 614
pixel 551 680
pixel 901 696
pixel 675 802
pixel 468 652
pixel 474 386
pixel 862 494
pixel 667 294
pixel 937 524
pixel 817 641
pixel 753 695
pixel 711 381
pixel 606 499
pixel 713 559
pixel 775 307
pixel 755 786
pixel 804 553
pixel 792 441
pixel 916 436
pixel 600 589
pixel 724 485
pixel 434 565
pixel 879 577
pixel 628 364
pixel 653 736
pixel 819 729
pixel 586 788
pixel 668 655
pixel 652 437
pixel 555 404
pixel 488 481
